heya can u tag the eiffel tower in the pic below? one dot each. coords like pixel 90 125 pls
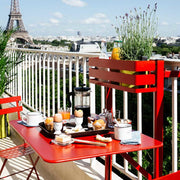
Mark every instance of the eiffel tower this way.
pixel 15 15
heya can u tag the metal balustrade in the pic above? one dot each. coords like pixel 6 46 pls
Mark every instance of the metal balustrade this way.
pixel 43 74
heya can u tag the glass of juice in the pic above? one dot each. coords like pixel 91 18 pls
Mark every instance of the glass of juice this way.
pixel 65 112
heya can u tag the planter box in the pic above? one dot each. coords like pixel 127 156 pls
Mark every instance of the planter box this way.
pixel 108 73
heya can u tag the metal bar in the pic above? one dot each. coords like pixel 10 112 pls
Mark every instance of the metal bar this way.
pixel 174 124
pixel 70 79
pixel 2 167
pixel 32 78
pixel 34 167
pixel 125 112
pixel 102 98
pixel 158 121
pixel 29 63
pixel 92 99
pixel 84 70
pixel 113 102
pixel 156 174
pixel 139 124
pixel 48 86
pixel 36 87
pixel 23 80
pixel 53 86
pixel 19 79
pixel 40 109
pixel 26 80
pixel 64 82
pixel 136 165
pixel 77 71
pixel 58 82
pixel 108 167
pixel 44 84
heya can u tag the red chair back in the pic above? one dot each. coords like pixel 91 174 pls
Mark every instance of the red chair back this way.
pixel 17 108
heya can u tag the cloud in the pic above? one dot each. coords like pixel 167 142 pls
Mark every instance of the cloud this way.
pixel 98 18
pixel 71 30
pixel 54 21
pixel 77 3
pixel 58 15
pixel 44 24
pixel 177 23
pixel 32 25
pixel 164 23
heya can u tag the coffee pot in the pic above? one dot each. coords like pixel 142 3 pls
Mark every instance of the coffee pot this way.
pixel 82 101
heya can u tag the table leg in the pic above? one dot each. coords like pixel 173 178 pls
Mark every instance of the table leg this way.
pixel 34 167
pixel 108 167
pixel 156 170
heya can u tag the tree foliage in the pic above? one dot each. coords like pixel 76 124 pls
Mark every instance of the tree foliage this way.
pixel 6 62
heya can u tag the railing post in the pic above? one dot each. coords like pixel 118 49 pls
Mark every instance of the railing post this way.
pixel 174 124
pixel 19 78
pixel 93 99
pixel 108 99
pixel 158 116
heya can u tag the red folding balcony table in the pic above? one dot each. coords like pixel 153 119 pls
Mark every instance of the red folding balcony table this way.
pixel 53 153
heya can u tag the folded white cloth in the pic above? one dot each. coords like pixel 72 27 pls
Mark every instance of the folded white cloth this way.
pixel 136 139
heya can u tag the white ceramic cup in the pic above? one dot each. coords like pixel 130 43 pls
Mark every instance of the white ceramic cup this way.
pixel 122 131
pixel 78 122
pixel 33 118
pixel 57 127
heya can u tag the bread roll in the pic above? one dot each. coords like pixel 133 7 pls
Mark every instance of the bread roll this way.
pixel 99 124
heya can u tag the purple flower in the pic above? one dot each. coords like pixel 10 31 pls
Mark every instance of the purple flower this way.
pixel 126 14
pixel 148 6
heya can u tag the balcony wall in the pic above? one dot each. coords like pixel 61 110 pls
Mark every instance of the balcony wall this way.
pixel 42 84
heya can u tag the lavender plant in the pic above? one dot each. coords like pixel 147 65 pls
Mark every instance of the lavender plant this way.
pixel 137 31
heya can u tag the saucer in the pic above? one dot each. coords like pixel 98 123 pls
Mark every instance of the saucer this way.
pixel 25 124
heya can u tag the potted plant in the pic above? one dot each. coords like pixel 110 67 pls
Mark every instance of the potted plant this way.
pixel 137 31
pixel 6 76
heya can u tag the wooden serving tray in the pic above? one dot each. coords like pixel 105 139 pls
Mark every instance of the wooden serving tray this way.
pixel 88 132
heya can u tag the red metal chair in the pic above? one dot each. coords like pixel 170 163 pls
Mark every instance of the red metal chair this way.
pixel 20 150
pixel 172 176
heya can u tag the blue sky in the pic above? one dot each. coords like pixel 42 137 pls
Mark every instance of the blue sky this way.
pixel 90 17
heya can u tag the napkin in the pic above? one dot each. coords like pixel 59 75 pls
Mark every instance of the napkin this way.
pixel 24 123
pixel 136 139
